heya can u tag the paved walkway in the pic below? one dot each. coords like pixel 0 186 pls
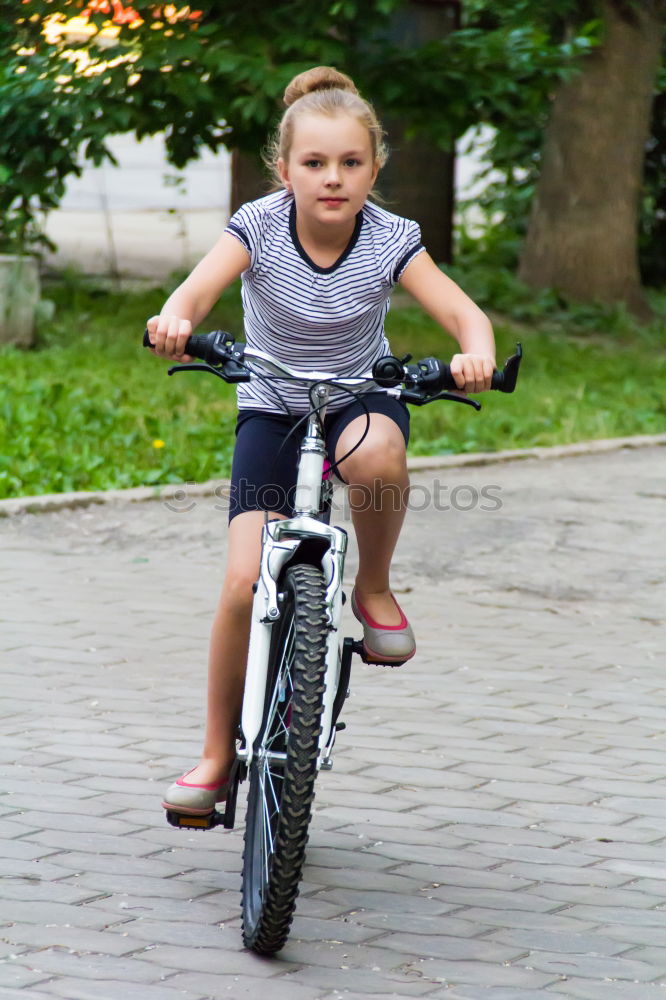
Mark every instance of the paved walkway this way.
pixel 494 826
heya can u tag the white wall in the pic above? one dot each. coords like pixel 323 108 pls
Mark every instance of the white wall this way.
pixel 130 219
pixel 133 218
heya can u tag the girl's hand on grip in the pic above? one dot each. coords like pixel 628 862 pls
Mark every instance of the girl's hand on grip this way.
pixel 168 336
pixel 472 372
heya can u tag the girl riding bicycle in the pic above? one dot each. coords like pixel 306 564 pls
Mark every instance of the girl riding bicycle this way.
pixel 318 263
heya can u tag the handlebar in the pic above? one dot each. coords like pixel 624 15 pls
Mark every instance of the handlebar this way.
pixel 424 381
pixel 433 375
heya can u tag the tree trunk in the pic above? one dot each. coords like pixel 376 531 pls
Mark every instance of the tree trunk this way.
pixel 249 179
pixel 583 229
pixel 417 181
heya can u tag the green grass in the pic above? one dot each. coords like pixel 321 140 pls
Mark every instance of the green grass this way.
pixel 86 409
pixel 572 387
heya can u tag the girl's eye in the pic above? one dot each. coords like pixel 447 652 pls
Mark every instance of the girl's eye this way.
pixel 312 163
pixel 351 162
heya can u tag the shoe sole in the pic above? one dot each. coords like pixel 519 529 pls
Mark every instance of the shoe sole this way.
pixel 379 658
pixel 184 811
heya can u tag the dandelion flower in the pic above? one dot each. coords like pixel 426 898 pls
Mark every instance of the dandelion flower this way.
pixel 158 443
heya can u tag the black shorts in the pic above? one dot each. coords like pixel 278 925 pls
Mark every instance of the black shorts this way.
pixel 262 479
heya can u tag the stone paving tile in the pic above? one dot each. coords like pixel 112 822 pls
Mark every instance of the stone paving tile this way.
pixel 477 835
pixel 625 896
pixel 110 989
pixel 630 936
pixel 587 990
pixel 347 994
pixel 9 993
pixel 564 874
pixel 208 908
pixel 367 838
pixel 62 962
pixel 483 974
pixel 629 916
pixel 19 976
pixel 227 958
pixel 222 987
pixel 341 816
pixel 488 993
pixel 653 956
pixel 403 982
pixel 37 887
pixel 593 967
pixel 564 920
pixel 495 899
pixel 96 843
pixel 640 832
pixel 650 886
pixel 52 913
pixel 462 876
pixel 439 945
pixel 79 939
pixel 563 943
pixel 418 923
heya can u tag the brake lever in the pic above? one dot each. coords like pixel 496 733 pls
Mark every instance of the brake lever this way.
pixel 418 399
pixel 230 372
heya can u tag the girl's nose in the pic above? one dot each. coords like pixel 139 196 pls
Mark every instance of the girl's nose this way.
pixel 332 177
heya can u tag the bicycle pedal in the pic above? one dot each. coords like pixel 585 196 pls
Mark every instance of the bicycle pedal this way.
pixel 358 648
pixel 183 821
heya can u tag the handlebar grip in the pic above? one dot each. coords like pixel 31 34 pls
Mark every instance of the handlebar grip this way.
pixel 432 375
pixel 197 345
pixel 503 380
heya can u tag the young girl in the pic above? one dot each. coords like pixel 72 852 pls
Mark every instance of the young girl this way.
pixel 318 262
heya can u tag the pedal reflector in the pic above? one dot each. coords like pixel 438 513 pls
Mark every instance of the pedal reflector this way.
pixel 185 822
pixel 198 821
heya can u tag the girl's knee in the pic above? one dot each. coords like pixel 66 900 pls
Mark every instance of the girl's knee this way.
pixel 237 586
pixel 383 460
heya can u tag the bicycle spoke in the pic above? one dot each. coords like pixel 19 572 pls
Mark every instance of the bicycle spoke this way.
pixel 270 808
pixel 277 725
pixel 267 838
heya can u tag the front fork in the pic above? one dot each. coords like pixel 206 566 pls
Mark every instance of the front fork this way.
pixel 281 541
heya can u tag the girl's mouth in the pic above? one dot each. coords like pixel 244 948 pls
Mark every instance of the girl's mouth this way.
pixel 333 201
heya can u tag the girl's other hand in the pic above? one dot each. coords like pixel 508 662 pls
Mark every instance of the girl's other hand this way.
pixel 472 372
pixel 168 336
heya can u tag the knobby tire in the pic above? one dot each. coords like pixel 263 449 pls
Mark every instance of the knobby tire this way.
pixel 281 794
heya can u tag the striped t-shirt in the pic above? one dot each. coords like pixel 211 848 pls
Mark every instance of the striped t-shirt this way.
pixel 325 319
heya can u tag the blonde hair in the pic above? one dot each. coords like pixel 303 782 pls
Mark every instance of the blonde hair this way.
pixel 323 90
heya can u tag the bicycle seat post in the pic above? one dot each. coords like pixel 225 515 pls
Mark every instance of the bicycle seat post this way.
pixel 312 455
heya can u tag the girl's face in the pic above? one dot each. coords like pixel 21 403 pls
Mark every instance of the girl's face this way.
pixel 330 169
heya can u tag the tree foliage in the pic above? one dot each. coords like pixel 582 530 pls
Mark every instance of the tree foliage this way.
pixel 213 75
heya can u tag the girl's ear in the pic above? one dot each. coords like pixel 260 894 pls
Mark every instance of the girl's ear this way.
pixel 284 173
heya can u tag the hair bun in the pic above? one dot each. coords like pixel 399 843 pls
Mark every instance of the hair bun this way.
pixel 317 78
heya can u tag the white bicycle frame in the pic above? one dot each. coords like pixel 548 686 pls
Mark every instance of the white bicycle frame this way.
pixel 280 540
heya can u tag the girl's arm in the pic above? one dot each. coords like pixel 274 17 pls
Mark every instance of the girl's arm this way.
pixel 472 369
pixel 193 300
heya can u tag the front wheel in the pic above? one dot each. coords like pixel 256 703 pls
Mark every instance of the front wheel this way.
pixel 284 763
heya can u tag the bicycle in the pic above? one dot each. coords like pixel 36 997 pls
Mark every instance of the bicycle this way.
pixel 298 665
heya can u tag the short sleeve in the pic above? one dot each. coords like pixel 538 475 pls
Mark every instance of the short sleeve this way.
pixel 407 245
pixel 246 225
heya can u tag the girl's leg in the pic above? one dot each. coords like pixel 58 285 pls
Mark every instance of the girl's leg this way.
pixel 378 491
pixel 228 648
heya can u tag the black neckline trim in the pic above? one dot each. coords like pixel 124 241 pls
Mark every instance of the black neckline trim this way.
pixel 306 257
